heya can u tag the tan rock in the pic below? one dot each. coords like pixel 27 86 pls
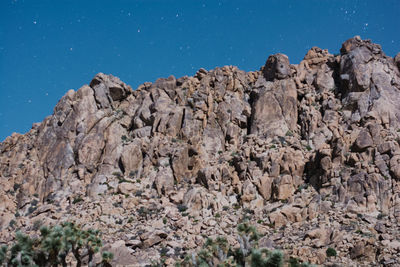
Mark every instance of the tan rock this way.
pixel 122 254
pixel 320 237
pixel 277 219
pixel 265 186
pixel 126 188
pixel 275 109
pixel 283 187
pixel 131 158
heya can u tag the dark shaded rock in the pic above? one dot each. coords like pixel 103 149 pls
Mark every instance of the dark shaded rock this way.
pixel 364 140
pixel 277 67
pixel 397 60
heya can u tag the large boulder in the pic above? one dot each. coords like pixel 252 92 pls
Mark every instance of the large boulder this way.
pixel 274 110
pixel 277 67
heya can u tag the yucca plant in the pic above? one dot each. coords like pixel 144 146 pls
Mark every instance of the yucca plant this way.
pixel 107 258
pixel 3 254
pixel 53 247
pixel 219 253
pixel 22 253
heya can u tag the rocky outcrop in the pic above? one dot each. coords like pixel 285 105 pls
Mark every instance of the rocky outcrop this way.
pixel 309 153
pixel 370 84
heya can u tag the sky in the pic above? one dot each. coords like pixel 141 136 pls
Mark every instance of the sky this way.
pixel 48 47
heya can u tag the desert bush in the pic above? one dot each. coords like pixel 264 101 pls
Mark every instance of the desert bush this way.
pixel 53 246
pixel 331 252
pixel 219 253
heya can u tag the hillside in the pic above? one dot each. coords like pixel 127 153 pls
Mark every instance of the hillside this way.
pixel 308 153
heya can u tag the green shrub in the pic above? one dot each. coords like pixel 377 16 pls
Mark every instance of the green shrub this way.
pixel 219 253
pixel 53 246
pixel 3 254
pixel 331 252
pixel 275 260
pixel 294 262
pixel 182 207
pixel 106 257
pixel 77 200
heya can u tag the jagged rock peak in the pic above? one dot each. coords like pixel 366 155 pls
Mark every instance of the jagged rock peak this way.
pixel 111 86
pixel 357 42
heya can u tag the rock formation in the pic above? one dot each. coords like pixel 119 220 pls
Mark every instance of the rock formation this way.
pixel 309 153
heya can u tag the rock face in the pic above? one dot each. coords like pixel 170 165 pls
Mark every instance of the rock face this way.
pixel 309 153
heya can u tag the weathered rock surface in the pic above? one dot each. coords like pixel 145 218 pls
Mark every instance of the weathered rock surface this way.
pixel 309 153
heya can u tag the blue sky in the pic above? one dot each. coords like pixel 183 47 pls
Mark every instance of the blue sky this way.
pixel 48 47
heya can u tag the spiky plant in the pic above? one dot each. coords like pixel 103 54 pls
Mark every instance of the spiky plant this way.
pixel 22 253
pixel 294 262
pixel 106 258
pixel 3 254
pixel 219 253
pixel 247 238
pixel 275 259
pixel 258 259
pixel 53 247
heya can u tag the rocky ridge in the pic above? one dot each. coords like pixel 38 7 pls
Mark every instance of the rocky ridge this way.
pixel 309 153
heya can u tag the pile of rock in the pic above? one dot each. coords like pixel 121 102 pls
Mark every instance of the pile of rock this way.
pixel 308 153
